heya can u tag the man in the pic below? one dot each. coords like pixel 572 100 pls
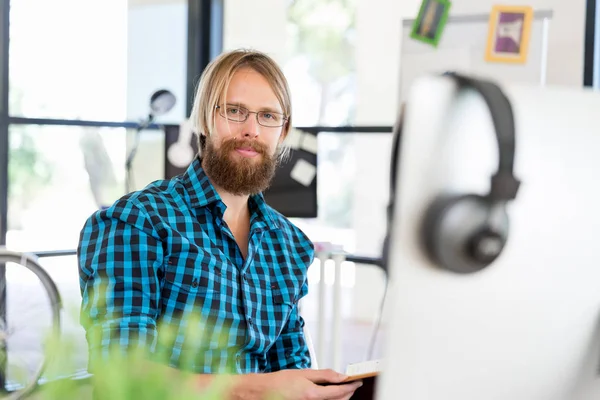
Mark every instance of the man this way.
pixel 203 255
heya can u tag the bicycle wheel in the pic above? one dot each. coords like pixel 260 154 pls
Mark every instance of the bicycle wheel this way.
pixel 29 316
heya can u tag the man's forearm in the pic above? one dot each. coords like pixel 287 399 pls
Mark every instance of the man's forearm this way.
pixel 289 384
pixel 249 387
pixel 235 387
pixel 225 386
pixel 230 387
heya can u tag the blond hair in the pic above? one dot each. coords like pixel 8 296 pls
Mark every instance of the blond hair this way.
pixel 214 82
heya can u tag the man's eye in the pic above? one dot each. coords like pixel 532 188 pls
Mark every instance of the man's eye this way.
pixel 271 116
pixel 233 110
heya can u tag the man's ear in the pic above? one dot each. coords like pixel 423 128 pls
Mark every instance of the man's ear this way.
pixel 284 132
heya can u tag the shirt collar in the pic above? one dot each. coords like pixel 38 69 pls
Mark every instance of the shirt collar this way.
pixel 198 186
pixel 202 194
pixel 261 215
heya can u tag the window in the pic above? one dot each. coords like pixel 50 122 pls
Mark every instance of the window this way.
pixel 321 61
pixel 65 61
pixel 78 71
pixel 73 60
pixel 59 175
pixel 95 59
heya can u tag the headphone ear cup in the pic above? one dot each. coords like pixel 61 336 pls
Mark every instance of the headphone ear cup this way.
pixel 461 234
pixel 430 230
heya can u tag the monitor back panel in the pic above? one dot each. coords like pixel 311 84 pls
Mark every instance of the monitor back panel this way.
pixel 528 326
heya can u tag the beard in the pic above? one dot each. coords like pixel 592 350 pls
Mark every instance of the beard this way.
pixel 239 175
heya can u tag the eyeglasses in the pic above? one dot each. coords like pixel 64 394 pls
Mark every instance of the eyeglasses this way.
pixel 237 113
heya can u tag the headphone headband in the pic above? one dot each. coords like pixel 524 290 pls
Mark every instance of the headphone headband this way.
pixel 504 185
pixel 459 232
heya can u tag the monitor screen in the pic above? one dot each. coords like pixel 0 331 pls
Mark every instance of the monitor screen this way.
pixel 293 191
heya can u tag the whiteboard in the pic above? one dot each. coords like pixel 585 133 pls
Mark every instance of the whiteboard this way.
pixel 462 48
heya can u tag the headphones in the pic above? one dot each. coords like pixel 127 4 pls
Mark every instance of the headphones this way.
pixel 465 233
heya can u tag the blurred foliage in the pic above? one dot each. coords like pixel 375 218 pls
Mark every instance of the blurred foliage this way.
pixel 322 32
pixel 135 372
pixel 28 173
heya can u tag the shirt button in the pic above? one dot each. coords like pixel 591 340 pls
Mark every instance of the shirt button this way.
pixel 249 321
pixel 195 283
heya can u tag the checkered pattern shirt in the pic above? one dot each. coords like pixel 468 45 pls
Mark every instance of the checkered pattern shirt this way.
pixel 164 258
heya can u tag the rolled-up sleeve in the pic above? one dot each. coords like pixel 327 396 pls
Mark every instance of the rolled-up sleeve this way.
pixel 120 259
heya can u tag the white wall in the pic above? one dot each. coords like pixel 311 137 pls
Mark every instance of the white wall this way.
pixel 378 61
pixel 379 46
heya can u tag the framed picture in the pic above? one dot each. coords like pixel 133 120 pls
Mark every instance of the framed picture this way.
pixel 508 34
pixel 430 22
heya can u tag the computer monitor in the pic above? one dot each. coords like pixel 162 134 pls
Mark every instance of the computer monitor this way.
pixel 527 327
pixel 293 191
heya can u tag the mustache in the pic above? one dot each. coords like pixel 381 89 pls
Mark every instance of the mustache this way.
pixel 233 144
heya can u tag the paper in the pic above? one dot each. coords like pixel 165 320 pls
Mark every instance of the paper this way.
pixel 304 172
pixel 310 143
pixel 293 139
pixel 511 30
pixel 363 367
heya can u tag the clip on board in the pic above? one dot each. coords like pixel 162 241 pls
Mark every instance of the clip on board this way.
pixel 293 191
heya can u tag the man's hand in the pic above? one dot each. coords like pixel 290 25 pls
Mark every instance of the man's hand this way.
pixel 301 384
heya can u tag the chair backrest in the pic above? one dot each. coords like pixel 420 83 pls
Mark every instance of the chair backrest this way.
pixel 311 348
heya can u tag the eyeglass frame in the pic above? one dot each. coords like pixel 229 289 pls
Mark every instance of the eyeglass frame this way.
pixel 284 119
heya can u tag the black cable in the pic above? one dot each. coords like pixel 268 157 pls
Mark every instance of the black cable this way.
pixel 377 324
pixel 395 156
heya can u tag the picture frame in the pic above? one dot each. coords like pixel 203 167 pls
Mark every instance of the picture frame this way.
pixel 509 34
pixel 430 22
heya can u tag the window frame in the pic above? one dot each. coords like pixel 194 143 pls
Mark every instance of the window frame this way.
pixel 591 72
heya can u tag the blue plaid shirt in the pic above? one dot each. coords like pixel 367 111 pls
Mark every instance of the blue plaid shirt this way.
pixel 164 257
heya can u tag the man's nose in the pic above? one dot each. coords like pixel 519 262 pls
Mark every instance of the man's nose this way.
pixel 251 126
